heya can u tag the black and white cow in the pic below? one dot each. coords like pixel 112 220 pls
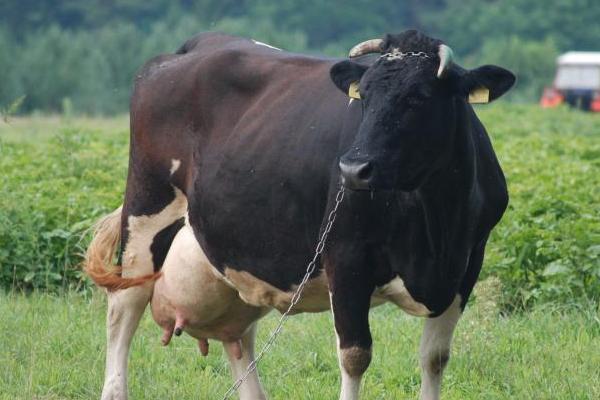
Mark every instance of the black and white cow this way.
pixel 237 150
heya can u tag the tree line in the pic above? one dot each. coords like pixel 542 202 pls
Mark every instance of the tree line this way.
pixel 72 55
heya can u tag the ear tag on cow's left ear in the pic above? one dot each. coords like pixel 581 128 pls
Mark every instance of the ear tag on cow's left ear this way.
pixel 353 91
pixel 479 95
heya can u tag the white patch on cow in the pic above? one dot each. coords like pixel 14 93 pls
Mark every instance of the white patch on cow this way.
pixel 142 230
pixel 435 349
pixel 260 293
pixel 175 164
pixel 251 388
pixel 396 292
pixel 266 45
pixel 126 307
pixel 350 101
pixel 350 385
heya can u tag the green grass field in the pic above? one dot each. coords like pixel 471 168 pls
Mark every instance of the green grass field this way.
pixel 53 348
pixel 532 333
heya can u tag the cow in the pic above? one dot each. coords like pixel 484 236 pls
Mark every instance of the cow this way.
pixel 237 153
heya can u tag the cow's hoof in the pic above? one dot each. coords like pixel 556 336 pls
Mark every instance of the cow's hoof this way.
pixel 178 331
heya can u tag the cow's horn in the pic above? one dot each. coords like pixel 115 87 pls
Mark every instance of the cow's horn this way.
pixel 446 58
pixel 369 46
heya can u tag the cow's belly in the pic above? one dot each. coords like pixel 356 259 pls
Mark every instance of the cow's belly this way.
pixel 315 297
pixel 222 307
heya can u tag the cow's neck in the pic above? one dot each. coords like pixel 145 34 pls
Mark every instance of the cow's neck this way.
pixel 450 188
pixel 445 223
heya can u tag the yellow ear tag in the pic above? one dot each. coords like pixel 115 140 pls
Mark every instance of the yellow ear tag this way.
pixel 480 95
pixel 353 91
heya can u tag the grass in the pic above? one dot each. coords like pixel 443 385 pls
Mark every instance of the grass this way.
pixel 52 347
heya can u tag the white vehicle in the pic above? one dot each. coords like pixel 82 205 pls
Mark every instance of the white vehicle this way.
pixel 577 82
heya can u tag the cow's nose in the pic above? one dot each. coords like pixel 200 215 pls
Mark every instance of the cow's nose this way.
pixel 356 175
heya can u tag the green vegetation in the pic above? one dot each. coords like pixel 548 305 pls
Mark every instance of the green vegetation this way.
pixel 85 54
pixel 61 175
pixel 547 246
pixel 57 178
pixel 52 348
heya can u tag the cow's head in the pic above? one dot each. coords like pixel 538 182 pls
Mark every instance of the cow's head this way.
pixel 410 98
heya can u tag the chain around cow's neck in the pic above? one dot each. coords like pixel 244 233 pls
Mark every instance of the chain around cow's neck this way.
pixel 312 265
pixel 396 54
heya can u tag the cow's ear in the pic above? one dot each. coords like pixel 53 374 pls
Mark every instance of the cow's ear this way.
pixel 486 83
pixel 346 76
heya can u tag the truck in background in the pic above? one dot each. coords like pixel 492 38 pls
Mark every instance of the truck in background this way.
pixel 577 82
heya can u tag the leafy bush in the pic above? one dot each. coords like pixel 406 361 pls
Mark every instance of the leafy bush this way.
pixel 546 248
pixel 51 193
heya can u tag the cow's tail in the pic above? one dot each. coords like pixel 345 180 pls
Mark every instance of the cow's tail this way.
pixel 100 254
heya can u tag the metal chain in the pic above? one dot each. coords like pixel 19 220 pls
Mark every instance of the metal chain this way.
pixel 396 54
pixel 312 265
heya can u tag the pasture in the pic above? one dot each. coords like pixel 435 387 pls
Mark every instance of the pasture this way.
pixel 53 348
pixel 532 331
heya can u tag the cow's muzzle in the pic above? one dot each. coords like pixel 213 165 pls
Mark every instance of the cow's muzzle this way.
pixel 356 175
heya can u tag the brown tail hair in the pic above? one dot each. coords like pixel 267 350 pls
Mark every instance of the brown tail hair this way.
pixel 99 257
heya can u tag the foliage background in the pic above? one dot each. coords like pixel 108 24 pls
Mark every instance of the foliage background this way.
pixel 64 173
pixel 81 56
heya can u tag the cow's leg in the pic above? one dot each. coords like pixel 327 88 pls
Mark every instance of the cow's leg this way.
pixel 435 349
pixel 437 335
pixel 251 389
pixel 350 301
pixel 126 306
